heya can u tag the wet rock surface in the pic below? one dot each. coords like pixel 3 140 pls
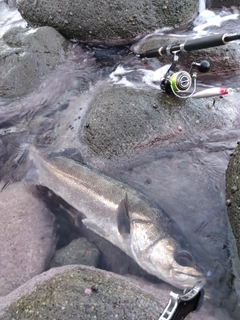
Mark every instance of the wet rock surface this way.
pixel 123 119
pixel 106 21
pixel 233 194
pixel 27 237
pixel 27 55
pixel 79 251
pixel 79 292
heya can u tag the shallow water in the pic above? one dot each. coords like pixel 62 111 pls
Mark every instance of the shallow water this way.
pixel 186 177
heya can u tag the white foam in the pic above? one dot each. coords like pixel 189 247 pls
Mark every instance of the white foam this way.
pixel 119 76
pixel 118 73
pixel 151 78
pixel 208 18
pixel 32 30
pixel 9 18
pixel 126 83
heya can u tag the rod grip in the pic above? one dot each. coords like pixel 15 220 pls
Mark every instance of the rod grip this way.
pixel 190 45
pixel 195 44
pixel 206 42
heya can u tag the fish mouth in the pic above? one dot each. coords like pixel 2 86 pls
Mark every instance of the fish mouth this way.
pixel 186 279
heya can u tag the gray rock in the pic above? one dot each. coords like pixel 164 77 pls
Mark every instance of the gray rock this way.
pixel 122 119
pixel 233 194
pixel 79 251
pixel 78 292
pixel 26 55
pixel 233 204
pixel 27 237
pixel 107 21
pixel 81 293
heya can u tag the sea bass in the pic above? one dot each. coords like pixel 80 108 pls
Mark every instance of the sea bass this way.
pixel 123 216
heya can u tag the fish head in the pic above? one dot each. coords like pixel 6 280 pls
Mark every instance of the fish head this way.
pixel 157 244
pixel 178 267
pixel 161 255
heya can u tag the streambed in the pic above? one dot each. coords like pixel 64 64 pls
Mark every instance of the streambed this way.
pixel 184 174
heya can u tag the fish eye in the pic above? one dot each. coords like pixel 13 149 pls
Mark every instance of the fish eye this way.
pixel 184 258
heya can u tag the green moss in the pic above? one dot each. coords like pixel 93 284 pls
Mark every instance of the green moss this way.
pixel 64 297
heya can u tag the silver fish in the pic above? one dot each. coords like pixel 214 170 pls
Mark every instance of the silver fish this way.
pixel 123 216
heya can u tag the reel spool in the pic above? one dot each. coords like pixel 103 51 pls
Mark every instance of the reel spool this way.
pixel 180 81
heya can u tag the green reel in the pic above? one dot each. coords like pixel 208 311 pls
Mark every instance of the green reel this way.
pixel 180 81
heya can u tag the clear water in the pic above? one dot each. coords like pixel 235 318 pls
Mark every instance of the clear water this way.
pixel 186 177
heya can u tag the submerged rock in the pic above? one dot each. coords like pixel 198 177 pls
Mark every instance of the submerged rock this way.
pixel 27 55
pixel 107 21
pixel 27 237
pixel 79 251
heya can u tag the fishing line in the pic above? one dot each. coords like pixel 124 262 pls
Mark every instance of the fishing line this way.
pixel 220 71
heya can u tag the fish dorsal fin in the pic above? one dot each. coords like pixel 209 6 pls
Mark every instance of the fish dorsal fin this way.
pixel 70 153
pixel 123 220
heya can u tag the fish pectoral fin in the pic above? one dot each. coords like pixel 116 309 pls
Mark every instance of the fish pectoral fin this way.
pixel 94 227
pixel 123 220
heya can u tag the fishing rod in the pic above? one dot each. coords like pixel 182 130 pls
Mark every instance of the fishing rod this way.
pixel 180 82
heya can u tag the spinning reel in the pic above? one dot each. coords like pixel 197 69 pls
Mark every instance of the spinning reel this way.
pixel 179 83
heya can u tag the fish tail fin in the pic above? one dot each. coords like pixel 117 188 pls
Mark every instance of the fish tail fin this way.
pixel 14 165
